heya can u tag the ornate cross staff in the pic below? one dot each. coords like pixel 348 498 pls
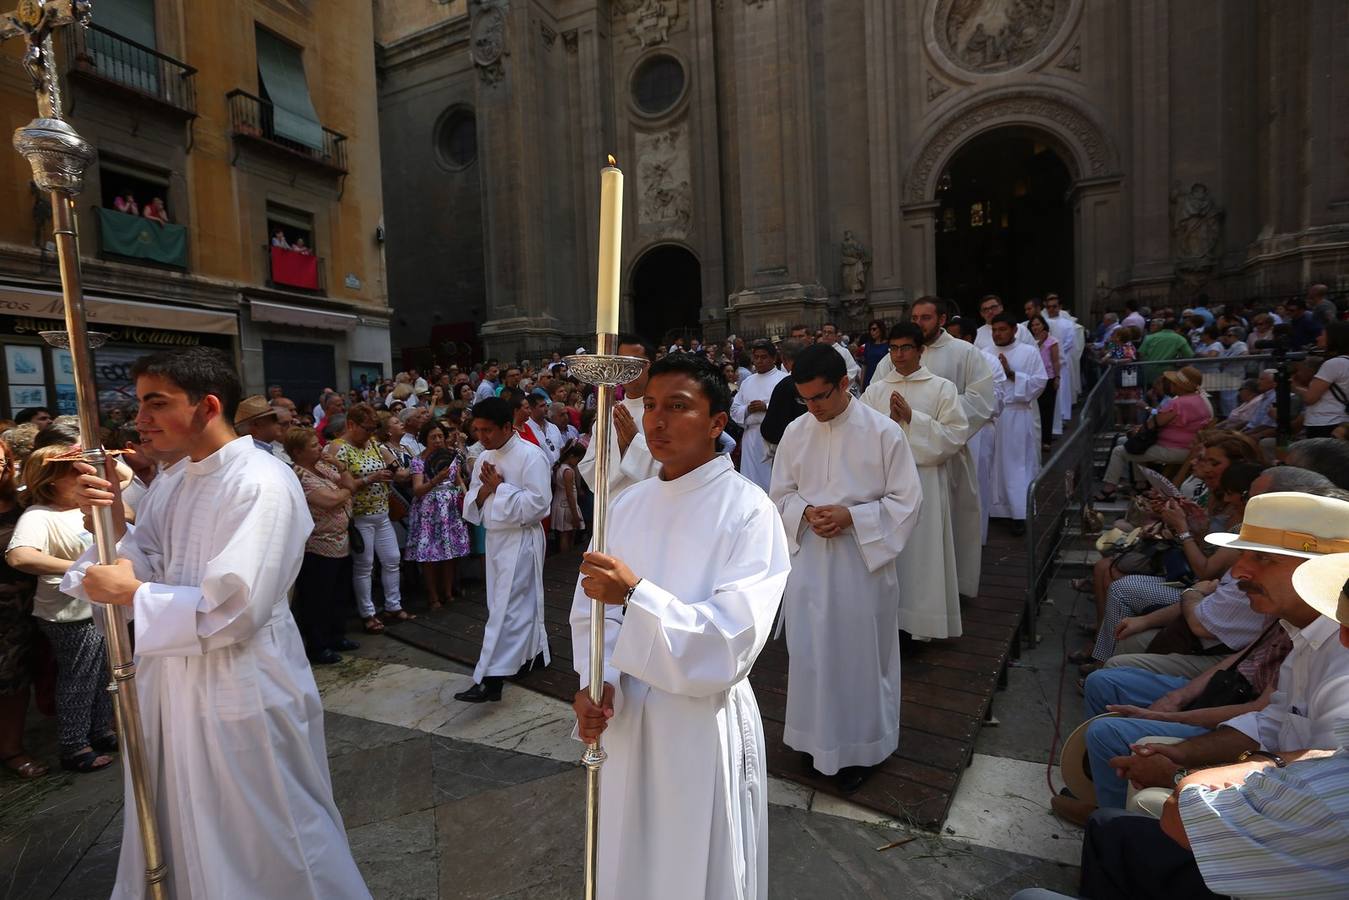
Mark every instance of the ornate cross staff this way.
pixel 606 370
pixel 59 157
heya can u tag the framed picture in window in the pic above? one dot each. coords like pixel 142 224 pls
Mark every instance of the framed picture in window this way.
pixel 63 368
pixel 22 396
pixel 24 364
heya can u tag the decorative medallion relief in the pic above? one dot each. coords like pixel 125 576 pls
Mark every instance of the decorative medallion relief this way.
pixel 1196 229
pixel 988 36
pixel 665 204
pixel 487 39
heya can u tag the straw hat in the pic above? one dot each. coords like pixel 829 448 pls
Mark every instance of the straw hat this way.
pixel 1187 380
pixel 1320 583
pixel 1291 524
pixel 254 407
pixel 1076 764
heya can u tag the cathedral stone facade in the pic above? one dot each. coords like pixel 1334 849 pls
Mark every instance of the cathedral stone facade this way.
pixel 807 160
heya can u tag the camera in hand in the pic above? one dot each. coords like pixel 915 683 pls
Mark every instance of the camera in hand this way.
pixel 437 462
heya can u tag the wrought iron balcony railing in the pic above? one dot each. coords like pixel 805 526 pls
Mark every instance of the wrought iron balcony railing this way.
pixel 252 119
pixel 134 68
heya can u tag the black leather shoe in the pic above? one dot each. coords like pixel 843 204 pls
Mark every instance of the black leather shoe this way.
pixel 1018 527
pixel 346 644
pixel 488 690
pixel 850 778
pixel 325 658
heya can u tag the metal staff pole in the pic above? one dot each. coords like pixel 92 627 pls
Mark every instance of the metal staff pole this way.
pixel 59 157
pixel 606 370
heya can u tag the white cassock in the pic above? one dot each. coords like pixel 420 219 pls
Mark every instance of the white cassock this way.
pixel 841 608
pixel 1016 434
pixel 975 378
pixel 929 597
pixel 684 797
pixel 626 469
pixel 513 516
pixel 853 369
pixel 980 448
pixel 755 463
pixel 233 724
pixel 983 338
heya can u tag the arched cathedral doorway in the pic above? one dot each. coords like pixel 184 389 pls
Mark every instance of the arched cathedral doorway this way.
pixel 667 294
pixel 1005 222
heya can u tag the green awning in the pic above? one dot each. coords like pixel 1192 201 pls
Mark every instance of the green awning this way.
pixel 135 21
pixel 141 238
pixel 282 73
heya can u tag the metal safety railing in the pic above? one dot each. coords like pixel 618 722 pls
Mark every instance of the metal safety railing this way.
pixel 1066 480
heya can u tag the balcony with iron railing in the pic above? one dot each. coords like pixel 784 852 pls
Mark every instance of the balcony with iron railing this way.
pixel 133 70
pixel 252 120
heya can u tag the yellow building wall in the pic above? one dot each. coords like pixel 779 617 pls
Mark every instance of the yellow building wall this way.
pixel 397 19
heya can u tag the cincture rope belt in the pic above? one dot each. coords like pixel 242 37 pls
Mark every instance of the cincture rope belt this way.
pixel 1293 540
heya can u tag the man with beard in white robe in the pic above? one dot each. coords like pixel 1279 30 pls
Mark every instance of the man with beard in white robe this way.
pixel 928 409
pixel 1016 433
pixel 693 578
pixel 510 493
pixel 748 409
pixel 630 461
pixel 989 309
pixel 1064 332
pixel 847 487
pixel 976 379
pixel 231 717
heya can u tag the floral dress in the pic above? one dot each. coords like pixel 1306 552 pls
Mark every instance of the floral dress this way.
pixel 436 532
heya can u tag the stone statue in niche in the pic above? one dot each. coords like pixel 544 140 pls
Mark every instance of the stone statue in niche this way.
pixel 651 24
pixel 854 264
pixel 663 174
pixel 1196 228
pixel 996 35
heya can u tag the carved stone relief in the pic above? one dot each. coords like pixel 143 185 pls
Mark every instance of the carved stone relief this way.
pixel 665 204
pixel 853 265
pixel 1072 60
pixel 487 39
pixel 1196 229
pixel 1028 107
pixel 936 87
pixel 986 36
pixel 571 41
pixel 650 21
pixel 548 35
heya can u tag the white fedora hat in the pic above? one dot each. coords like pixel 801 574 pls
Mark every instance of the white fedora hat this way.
pixel 1291 524
pixel 1075 764
pixel 1320 583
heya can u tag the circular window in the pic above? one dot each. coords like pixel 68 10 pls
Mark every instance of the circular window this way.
pixel 457 139
pixel 658 85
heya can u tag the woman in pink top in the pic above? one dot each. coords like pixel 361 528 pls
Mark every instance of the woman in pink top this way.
pixel 1049 352
pixel 1183 418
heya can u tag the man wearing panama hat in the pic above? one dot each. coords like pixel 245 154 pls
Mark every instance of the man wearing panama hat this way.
pixel 266 423
pixel 1273 824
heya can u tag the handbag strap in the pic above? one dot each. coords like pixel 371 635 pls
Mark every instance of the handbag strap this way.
pixel 1255 643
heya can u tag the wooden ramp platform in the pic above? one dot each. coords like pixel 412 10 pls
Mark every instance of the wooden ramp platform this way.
pixel 947 685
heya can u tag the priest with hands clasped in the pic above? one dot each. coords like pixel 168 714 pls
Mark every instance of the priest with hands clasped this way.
pixel 695 571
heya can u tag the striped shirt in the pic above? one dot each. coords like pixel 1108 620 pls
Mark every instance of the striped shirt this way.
pixel 1282 833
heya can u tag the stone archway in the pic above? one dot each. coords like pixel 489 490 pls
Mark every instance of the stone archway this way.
pixel 666 294
pixel 1074 135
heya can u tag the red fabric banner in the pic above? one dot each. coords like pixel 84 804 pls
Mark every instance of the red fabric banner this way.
pixel 295 269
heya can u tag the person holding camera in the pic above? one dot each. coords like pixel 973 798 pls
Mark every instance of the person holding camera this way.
pixel 1327 394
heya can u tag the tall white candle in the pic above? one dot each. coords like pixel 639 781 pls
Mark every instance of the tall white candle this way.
pixel 611 248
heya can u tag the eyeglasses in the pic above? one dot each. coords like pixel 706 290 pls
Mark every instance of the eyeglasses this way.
pixel 820 398
pixel 903 348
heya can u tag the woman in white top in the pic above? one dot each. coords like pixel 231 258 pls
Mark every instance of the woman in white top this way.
pixel 1327 396
pixel 49 536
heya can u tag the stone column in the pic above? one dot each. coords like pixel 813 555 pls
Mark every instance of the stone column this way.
pixel 1151 143
pixel 884 29
pixel 779 279
pixel 919 252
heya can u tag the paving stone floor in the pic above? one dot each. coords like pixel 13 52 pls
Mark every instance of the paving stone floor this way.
pixel 435 815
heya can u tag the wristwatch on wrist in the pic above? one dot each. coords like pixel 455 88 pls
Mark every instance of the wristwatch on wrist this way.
pixel 628 595
pixel 1279 761
pixel 1184 536
pixel 1180 776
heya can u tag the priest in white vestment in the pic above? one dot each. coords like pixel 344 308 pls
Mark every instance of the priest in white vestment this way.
pixel 630 460
pixel 1016 433
pixel 231 717
pixel 1072 357
pixel 928 409
pixel 989 309
pixel 509 495
pixel 829 335
pixel 693 578
pixel 976 379
pixel 848 490
pixel 748 409
pixel 1065 333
